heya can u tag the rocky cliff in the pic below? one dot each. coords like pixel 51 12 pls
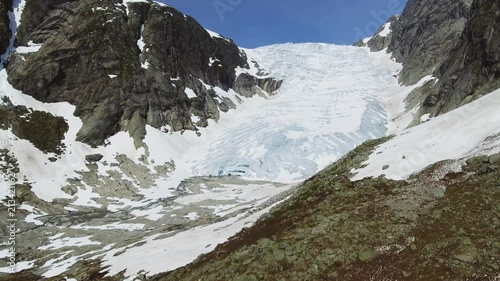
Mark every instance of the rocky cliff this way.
pixel 425 34
pixel 422 37
pixel 5 32
pixel 125 65
pixel 456 42
pixel 472 68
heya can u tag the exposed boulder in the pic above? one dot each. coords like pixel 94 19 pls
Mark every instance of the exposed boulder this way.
pixel 70 190
pixel 494 159
pixel 249 86
pixel 45 131
pixel 93 157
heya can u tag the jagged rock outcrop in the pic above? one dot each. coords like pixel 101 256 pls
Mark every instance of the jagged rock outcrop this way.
pixel 472 68
pixel 382 38
pixel 248 85
pixel 425 34
pixel 42 129
pixel 455 41
pixel 5 32
pixel 41 19
pixel 124 65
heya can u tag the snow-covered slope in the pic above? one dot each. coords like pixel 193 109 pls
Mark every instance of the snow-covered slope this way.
pixel 332 99
pixel 468 131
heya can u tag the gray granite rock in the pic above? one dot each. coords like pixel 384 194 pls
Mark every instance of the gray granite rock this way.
pixel 90 58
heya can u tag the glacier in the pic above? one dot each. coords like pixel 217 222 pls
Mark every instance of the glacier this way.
pixel 331 101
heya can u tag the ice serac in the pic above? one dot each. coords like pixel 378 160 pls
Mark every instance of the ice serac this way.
pixel 124 65
pixel 5 32
pixel 425 34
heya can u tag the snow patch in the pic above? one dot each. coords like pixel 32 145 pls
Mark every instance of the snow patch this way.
pixel 195 118
pixel 386 31
pixel 425 117
pixel 31 48
pixel 160 255
pixel 449 136
pixel 190 93
pixel 20 266
pixel 57 242
pixel 192 216
pixel 213 60
pixel 216 35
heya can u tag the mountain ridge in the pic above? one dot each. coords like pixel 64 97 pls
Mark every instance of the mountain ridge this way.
pixel 205 172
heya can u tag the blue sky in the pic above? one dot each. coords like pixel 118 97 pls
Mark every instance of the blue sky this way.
pixel 253 23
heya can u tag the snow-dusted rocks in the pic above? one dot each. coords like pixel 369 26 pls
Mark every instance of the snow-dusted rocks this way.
pixel 118 75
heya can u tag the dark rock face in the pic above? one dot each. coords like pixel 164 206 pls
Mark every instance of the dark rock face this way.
pixel 43 130
pixel 249 86
pixel 425 34
pixel 455 41
pixel 34 25
pixel 473 67
pixel 5 32
pixel 124 67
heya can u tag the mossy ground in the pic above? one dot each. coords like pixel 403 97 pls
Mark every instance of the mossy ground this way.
pixel 425 228
pixel 376 229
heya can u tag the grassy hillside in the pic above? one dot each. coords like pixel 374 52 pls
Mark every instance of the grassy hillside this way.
pixel 435 226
